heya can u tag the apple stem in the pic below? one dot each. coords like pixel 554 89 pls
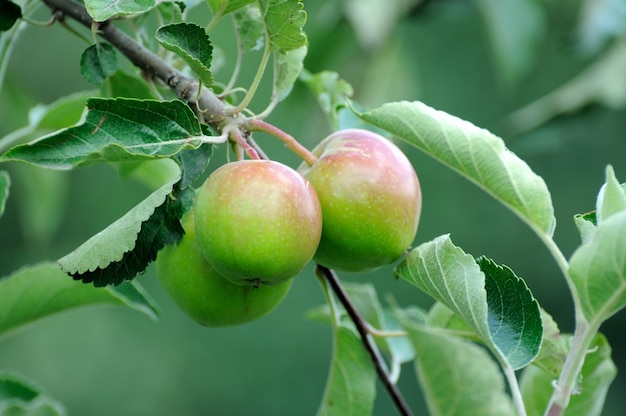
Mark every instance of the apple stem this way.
pixel 236 136
pixel 289 141
pixel 363 327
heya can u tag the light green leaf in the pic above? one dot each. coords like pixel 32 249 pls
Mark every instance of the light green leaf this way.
pixel 554 347
pixel 453 278
pixel 597 374
pixel 5 183
pixel 475 153
pixel 112 243
pixel 351 385
pixel 98 62
pixel 331 93
pixel 190 42
pixel 249 25
pixel 19 397
pixel 287 68
pixel 611 198
pixel 284 20
pixel 600 22
pixel 125 85
pixel 226 6
pixel 458 378
pixel 516 29
pixel 101 10
pixel 42 290
pixel 586 225
pixel 116 130
pixel 598 270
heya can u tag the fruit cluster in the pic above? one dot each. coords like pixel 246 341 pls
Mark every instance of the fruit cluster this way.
pixel 257 223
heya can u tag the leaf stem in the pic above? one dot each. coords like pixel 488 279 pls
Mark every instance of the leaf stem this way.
pixel 289 141
pixel 257 78
pixel 370 346
pixel 516 394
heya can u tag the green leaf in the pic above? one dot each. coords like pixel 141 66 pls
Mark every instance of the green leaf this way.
pixel 600 22
pixel 19 397
pixel 331 92
pixel 351 385
pixel 597 374
pixel 516 29
pixel 586 225
pixel 5 183
pixel 124 85
pixel 98 62
pixel 101 10
pixel 287 68
pixel 9 14
pixel 190 42
pixel 598 270
pixel 38 291
pixel 475 153
pixel 480 297
pixel 554 347
pixel 249 25
pixel 456 376
pixel 284 20
pixel 226 6
pixel 611 198
pixel 116 130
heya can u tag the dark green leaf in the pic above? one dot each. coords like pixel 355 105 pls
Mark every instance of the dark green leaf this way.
pixel 284 20
pixel 19 397
pixel 475 153
pixel 597 374
pixel 192 44
pixel 47 287
pixel 116 130
pixel 98 62
pixel 226 6
pixel 9 14
pixel 124 85
pixel 5 182
pixel 101 10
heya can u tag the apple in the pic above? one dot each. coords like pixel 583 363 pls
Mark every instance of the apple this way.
pixel 257 221
pixel 371 200
pixel 205 295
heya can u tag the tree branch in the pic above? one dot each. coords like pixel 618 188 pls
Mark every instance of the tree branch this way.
pixel 370 346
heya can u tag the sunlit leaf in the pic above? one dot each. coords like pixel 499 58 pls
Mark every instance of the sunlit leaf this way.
pixel 457 376
pixel 288 66
pixel 101 10
pixel 226 6
pixel 190 42
pixel 598 269
pixel 479 293
pixel 98 62
pixel 116 130
pixel 351 385
pixel 5 183
pixel 611 198
pixel 19 397
pixel 9 14
pixel 250 27
pixel 475 153
pixel 284 20
pixel 38 291
pixel 597 374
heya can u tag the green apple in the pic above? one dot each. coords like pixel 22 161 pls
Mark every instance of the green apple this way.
pixel 257 221
pixel 203 294
pixel 371 200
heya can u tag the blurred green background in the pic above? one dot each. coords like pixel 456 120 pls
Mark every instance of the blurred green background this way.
pixel 479 60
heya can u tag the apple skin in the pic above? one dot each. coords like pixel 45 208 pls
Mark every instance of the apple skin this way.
pixel 371 200
pixel 203 294
pixel 257 221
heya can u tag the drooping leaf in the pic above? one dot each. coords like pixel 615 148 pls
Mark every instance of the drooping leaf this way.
pixel 5 183
pixel 457 377
pixel 226 6
pixel 101 10
pixel 116 130
pixel 475 153
pixel 249 25
pixel 98 62
pixel 190 42
pixel 9 14
pixel 46 286
pixel 598 269
pixel 611 198
pixel 351 385
pixel 453 278
pixel 516 29
pixel 597 374
pixel 600 22
pixel 20 397
pixel 331 92
pixel 284 20
pixel 287 68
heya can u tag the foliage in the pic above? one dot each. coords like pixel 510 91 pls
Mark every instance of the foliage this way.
pixel 485 346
